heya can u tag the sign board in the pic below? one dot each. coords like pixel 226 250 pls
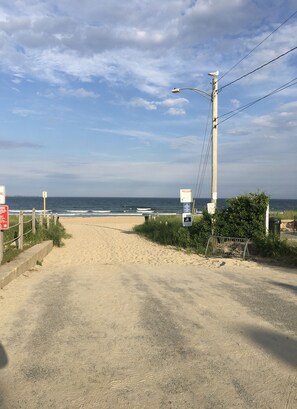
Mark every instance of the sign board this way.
pixel 186 196
pixel 4 217
pixel 211 208
pixel 44 195
pixel 187 207
pixel 2 194
pixel 187 219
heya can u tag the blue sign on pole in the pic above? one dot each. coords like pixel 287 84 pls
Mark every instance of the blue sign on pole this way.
pixel 187 207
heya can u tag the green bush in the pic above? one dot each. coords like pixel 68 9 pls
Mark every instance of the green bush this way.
pixel 244 217
pixel 200 232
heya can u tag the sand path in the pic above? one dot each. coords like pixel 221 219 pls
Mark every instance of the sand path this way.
pixel 111 240
pixel 111 320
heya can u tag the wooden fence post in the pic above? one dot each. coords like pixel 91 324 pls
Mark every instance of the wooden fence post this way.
pixel 48 218
pixel 55 219
pixel 41 220
pixel 1 245
pixel 21 230
pixel 33 221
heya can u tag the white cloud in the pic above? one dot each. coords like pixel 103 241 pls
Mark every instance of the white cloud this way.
pixel 142 103
pixel 265 121
pixel 51 40
pixel 176 111
pixel 235 103
pixel 173 102
pixel 175 105
pixel 24 112
pixel 289 105
pixel 79 93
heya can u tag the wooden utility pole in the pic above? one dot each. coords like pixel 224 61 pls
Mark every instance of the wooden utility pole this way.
pixel 214 165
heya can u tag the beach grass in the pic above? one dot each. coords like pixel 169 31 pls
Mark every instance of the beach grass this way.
pixel 285 215
pixel 56 233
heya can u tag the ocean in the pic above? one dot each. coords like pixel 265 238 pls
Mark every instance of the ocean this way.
pixel 118 206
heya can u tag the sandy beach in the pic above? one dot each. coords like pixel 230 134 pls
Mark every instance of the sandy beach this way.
pixel 111 320
pixel 111 240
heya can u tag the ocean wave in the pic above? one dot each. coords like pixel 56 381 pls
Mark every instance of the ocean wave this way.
pixel 78 211
pixel 100 211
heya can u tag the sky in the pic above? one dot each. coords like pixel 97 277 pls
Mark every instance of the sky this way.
pixel 87 107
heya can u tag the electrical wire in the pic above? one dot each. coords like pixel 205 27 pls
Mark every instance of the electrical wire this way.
pixel 204 166
pixel 259 99
pixel 250 52
pixel 244 107
pixel 258 68
pixel 199 173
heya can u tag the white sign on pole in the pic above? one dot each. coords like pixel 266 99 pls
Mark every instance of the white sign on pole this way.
pixel 44 195
pixel 211 208
pixel 187 219
pixel 2 194
pixel 186 196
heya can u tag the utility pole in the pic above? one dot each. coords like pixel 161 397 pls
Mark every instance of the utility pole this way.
pixel 214 167
pixel 213 96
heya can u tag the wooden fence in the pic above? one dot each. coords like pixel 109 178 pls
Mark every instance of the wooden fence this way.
pixel 18 240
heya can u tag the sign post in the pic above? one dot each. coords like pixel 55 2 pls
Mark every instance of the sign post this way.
pixel 44 195
pixel 186 199
pixel 4 225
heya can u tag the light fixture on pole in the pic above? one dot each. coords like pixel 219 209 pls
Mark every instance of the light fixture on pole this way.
pixel 213 96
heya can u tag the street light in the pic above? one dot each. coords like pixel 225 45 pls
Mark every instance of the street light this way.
pixel 213 96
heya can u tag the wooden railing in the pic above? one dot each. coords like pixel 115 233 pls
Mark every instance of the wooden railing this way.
pixel 22 233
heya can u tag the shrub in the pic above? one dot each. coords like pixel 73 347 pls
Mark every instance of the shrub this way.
pixel 200 232
pixel 244 217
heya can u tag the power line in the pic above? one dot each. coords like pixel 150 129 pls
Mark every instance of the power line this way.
pixel 244 107
pixel 259 99
pixel 204 166
pixel 250 52
pixel 257 69
pixel 201 156
pixel 254 102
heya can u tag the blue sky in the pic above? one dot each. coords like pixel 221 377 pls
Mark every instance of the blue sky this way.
pixel 87 108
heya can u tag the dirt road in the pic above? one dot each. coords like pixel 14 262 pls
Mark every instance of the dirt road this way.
pixel 114 321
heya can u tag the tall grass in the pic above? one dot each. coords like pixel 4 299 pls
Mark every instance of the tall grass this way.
pixel 169 231
pixel 286 215
pixel 56 233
